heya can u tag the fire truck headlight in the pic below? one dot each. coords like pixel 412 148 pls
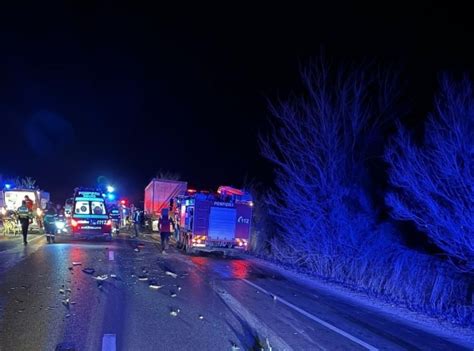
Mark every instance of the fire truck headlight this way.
pixel 198 241
pixel 39 212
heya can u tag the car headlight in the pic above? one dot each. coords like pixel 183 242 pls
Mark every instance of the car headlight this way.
pixel 60 225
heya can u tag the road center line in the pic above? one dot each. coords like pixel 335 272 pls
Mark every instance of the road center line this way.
pixel 109 342
pixel 314 318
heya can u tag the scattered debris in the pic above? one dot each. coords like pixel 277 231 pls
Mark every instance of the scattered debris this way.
pixel 89 270
pixel 101 277
pixel 179 288
pixel 173 294
pixel 136 249
pixel 68 315
pixel 201 317
pixel 70 268
pixel 235 347
pixel 143 278
pixel 113 276
pixel 274 297
pixel 174 313
pixel 155 286
pixel 66 303
pixel 174 275
pixel 61 291
pixel 77 263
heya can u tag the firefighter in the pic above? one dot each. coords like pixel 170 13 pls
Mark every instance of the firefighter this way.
pixel 50 223
pixel 24 217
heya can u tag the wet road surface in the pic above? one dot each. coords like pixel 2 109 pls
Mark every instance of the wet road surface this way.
pixel 150 301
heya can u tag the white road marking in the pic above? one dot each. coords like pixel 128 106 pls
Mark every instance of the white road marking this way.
pixel 314 318
pixel 111 255
pixel 109 342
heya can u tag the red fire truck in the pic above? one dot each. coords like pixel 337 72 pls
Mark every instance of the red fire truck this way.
pixel 214 222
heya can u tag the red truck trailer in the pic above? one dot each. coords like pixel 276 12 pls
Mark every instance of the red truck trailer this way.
pixel 215 222
pixel 159 193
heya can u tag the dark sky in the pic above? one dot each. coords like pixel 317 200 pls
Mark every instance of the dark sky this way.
pixel 89 89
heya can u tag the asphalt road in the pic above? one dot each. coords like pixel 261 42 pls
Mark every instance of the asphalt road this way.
pixel 193 303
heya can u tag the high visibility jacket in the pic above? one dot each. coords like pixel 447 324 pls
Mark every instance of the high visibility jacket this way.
pixel 24 212
pixel 50 216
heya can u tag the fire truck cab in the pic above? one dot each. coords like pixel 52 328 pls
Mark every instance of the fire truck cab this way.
pixel 214 221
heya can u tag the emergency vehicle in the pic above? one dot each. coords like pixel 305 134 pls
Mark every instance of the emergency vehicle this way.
pixel 89 216
pixel 214 221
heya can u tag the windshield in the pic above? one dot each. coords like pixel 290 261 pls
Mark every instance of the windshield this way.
pixel 90 207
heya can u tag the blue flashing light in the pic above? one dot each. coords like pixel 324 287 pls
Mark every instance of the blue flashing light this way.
pixel 111 197
pixel 8 186
pixel 110 189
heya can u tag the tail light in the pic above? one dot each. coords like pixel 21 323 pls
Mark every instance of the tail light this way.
pixel 109 222
pixel 74 223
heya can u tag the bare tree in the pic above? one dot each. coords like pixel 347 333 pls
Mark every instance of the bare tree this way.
pixel 25 183
pixel 168 175
pixel 435 181
pixel 320 144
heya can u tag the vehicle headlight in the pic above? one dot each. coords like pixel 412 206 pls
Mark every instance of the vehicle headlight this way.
pixel 60 225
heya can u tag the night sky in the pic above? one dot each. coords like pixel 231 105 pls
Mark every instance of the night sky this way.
pixel 90 89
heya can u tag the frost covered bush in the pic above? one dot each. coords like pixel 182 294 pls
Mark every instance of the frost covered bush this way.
pixel 320 145
pixel 393 273
pixel 434 181
pixel 324 218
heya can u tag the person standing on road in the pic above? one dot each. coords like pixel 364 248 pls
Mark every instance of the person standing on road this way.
pixel 136 222
pixel 50 223
pixel 24 217
pixel 164 224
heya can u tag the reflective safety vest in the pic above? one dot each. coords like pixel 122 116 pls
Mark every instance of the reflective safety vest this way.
pixel 50 217
pixel 24 212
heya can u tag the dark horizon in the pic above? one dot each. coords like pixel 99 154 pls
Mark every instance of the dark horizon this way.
pixel 124 91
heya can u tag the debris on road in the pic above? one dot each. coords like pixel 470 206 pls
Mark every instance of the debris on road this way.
pixel 179 288
pixel 173 294
pixel 68 315
pixel 201 317
pixel 142 278
pixel 101 277
pixel 61 291
pixel 66 303
pixel 173 313
pixel 77 263
pixel 136 249
pixel 113 276
pixel 235 347
pixel 155 286
pixel 174 275
pixel 89 270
